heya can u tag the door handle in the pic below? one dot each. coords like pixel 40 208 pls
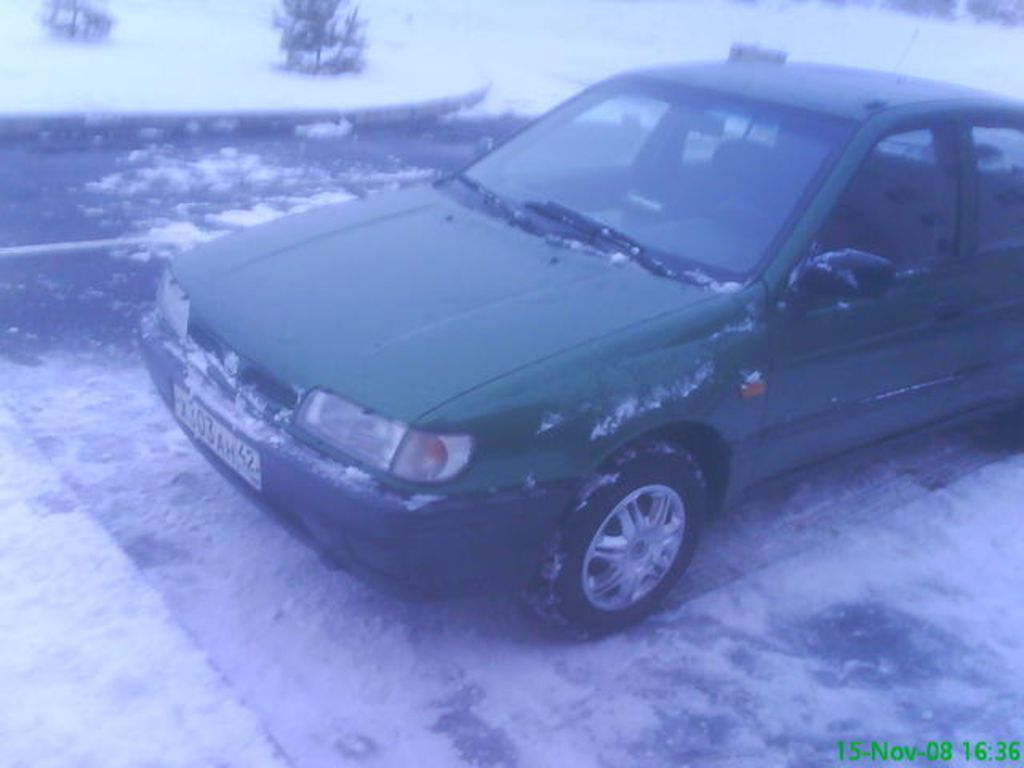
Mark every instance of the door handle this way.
pixel 948 310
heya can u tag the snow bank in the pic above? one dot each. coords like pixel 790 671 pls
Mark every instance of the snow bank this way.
pixel 192 55
pixel 324 130
pixel 94 670
pixel 180 199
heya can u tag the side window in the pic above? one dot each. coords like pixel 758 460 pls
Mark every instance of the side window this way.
pixel 999 158
pixel 901 203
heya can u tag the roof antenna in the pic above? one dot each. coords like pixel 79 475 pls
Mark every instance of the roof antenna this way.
pixel 906 51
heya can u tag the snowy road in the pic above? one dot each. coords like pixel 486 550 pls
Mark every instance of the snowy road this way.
pixel 874 598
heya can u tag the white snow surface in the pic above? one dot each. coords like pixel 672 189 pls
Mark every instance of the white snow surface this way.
pixel 324 130
pixel 199 56
pixel 194 56
pixel 634 406
pixel 876 597
pixel 217 177
pixel 95 671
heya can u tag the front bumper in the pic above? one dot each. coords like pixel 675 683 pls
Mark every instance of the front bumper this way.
pixel 425 545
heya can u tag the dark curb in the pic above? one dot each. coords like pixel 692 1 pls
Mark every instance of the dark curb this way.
pixel 56 126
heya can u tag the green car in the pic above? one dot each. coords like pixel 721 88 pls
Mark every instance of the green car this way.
pixel 548 371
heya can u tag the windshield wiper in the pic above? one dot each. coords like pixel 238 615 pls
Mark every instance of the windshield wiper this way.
pixel 598 232
pixel 494 201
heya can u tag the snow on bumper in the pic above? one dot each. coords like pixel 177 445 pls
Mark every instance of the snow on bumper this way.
pixel 422 545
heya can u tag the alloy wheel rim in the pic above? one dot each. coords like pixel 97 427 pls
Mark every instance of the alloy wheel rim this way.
pixel 634 548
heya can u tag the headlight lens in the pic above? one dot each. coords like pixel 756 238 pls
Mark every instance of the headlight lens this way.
pixel 173 304
pixel 356 431
pixel 384 443
pixel 428 458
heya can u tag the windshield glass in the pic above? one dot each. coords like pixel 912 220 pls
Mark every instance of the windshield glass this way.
pixel 701 180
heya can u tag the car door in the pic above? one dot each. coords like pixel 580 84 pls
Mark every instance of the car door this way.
pixel 991 274
pixel 847 372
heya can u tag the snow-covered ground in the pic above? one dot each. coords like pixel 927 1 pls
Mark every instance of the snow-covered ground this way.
pixel 95 671
pixel 194 55
pixel 205 57
pixel 877 597
pixel 179 198
pixel 538 52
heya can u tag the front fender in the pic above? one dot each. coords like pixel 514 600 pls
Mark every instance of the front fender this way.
pixel 562 419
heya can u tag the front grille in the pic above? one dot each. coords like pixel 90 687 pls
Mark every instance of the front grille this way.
pixel 266 393
pixel 267 386
pixel 204 339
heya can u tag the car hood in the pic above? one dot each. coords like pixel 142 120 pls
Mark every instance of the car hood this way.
pixel 408 299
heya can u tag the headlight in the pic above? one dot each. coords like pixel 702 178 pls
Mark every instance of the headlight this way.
pixel 173 304
pixel 428 458
pixel 356 431
pixel 384 443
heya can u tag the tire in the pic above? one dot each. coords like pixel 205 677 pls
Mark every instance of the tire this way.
pixel 613 561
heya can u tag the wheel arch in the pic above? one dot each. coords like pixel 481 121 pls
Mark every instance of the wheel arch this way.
pixel 704 443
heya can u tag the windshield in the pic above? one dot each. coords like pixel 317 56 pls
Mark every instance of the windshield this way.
pixel 701 180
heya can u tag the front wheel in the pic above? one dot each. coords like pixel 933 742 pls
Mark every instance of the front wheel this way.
pixel 630 538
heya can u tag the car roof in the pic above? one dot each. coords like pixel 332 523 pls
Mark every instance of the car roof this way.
pixel 845 92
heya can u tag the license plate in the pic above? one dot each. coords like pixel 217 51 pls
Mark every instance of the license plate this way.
pixel 208 429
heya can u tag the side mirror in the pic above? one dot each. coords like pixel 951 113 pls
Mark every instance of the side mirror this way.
pixel 846 274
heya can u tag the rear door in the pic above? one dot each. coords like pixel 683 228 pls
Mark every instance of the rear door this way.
pixel 846 373
pixel 992 271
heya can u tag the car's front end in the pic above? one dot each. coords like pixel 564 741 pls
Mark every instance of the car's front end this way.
pixel 409 534
pixel 394 406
